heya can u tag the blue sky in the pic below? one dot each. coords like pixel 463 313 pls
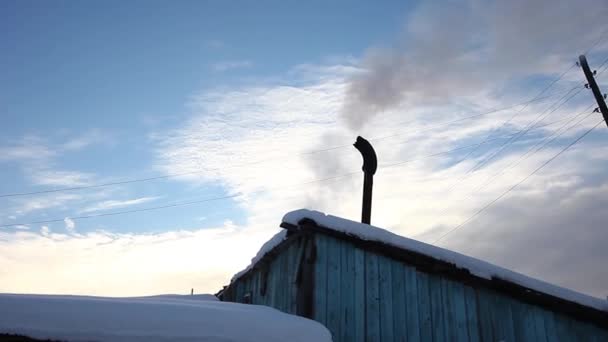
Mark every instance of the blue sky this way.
pixel 233 93
pixel 73 68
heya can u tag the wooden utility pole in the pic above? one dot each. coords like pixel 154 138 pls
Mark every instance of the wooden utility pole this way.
pixel 599 97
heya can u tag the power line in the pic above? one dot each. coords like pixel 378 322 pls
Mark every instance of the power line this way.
pixel 526 130
pixel 472 145
pixel 602 36
pixel 569 119
pixel 179 204
pixel 211 199
pixel 517 184
pixel 516 136
pixel 176 175
pixel 539 146
pixel 522 109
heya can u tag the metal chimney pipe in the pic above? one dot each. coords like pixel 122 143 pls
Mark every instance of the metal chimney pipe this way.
pixel 370 164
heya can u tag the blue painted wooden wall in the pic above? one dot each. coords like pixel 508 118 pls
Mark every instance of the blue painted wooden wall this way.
pixel 363 296
pixel 279 275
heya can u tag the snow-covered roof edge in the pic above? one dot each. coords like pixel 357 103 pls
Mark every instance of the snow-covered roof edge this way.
pixel 476 267
pixel 267 247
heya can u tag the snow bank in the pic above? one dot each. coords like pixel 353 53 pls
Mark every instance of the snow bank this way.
pixel 475 266
pixel 152 319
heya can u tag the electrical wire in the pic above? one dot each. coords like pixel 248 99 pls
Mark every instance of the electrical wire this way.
pixel 179 204
pixel 477 213
pixel 538 146
pixel 189 173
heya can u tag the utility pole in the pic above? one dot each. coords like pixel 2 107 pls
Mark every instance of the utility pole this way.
pixel 599 97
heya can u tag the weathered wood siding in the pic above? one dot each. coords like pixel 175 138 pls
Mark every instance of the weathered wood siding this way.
pixel 277 276
pixel 363 296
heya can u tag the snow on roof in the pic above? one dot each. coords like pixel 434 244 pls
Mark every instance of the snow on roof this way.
pixel 476 267
pixel 152 319
pixel 270 244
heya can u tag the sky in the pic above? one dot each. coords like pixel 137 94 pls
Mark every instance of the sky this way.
pixel 152 147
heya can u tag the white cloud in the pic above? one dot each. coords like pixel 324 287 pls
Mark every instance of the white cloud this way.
pixel 251 140
pixel 28 149
pixel 231 65
pixel 70 225
pixel 55 177
pixel 103 263
pixel 86 139
pixel 113 204
pixel 29 204
pixel 45 230
pixel 232 131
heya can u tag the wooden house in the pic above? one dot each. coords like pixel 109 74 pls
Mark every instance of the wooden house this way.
pixel 367 284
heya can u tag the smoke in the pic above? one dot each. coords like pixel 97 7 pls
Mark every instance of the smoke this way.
pixel 455 49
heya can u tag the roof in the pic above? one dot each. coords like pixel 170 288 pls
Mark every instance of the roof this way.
pixel 151 319
pixel 435 259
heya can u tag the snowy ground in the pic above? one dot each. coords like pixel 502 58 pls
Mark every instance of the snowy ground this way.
pixel 158 318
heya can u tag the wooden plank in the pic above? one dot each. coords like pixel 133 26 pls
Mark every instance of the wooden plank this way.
pixel 238 291
pixel 484 315
pixel 503 317
pixel 320 293
pixel 424 307
pixel 372 297
pixel 579 329
pixel 472 318
pixel 255 289
pixel 246 284
pixel 448 314
pixel 562 328
pixel 347 291
pixel 400 322
pixel 523 319
pixel 411 299
pixel 386 299
pixel 437 309
pixel 459 328
pixel 359 295
pixel 272 288
pixel 275 287
pixel 283 284
pixel 539 324
pixel 292 265
pixel 549 322
pixel 333 286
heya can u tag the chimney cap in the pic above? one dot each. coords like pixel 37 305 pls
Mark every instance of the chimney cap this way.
pixel 370 162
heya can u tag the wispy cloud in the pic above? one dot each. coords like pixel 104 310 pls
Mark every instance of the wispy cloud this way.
pixel 114 204
pixel 30 148
pixel 215 44
pixel 70 225
pixel 256 141
pixel 231 65
pixel 27 205
pixel 234 129
pixel 59 177
pixel 86 139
